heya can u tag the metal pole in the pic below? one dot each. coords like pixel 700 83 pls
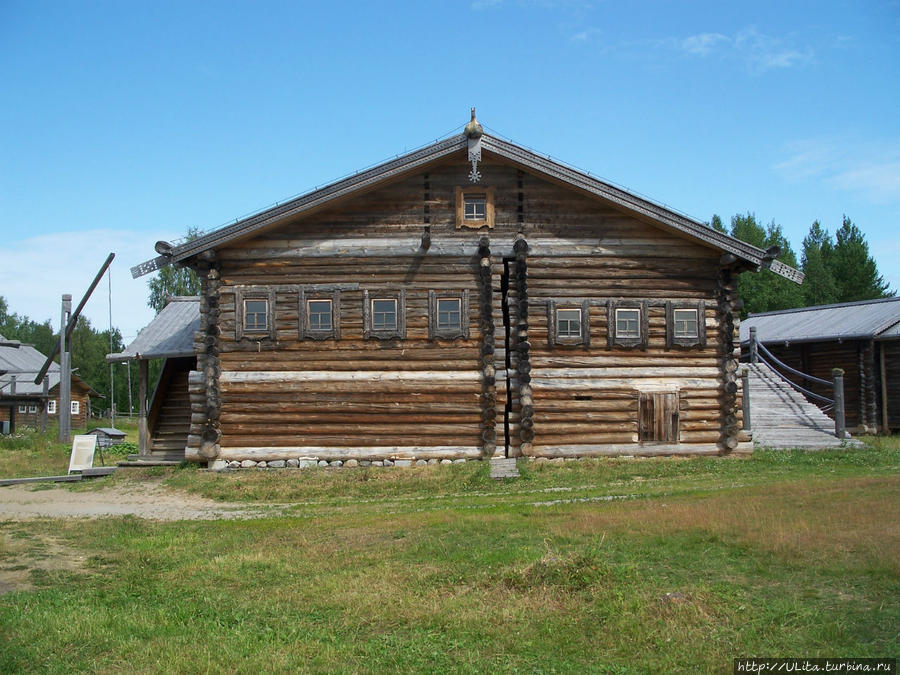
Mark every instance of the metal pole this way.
pixel 745 386
pixel 840 428
pixel 754 355
pixel 65 374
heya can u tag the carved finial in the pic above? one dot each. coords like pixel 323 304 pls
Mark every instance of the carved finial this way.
pixel 473 128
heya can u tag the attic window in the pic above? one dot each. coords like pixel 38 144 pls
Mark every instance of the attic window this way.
pixel 475 208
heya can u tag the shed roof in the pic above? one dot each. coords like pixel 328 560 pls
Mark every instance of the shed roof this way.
pixel 519 155
pixel 169 335
pixel 866 319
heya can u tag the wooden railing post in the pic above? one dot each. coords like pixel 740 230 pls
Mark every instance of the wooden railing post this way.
pixel 754 355
pixel 840 428
pixel 745 403
pixel 143 431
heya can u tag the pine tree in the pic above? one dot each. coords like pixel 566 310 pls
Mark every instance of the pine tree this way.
pixel 854 270
pixel 765 291
pixel 819 285
pixel 716 224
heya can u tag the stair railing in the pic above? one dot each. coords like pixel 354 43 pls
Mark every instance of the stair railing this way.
pixel 837 383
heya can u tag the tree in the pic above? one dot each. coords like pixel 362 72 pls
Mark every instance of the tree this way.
pixel 819 285
pixel 765 291
pixel 173 281
pixel 716 224
pixel 854 270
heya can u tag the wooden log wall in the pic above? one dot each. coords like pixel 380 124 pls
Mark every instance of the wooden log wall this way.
pixel 375 398
pixel 890 352
pixel 502 389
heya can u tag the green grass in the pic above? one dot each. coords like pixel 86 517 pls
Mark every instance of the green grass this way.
pixel 30 452
pixel 441 569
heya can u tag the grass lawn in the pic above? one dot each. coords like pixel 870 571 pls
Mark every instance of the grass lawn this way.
pixel 618 566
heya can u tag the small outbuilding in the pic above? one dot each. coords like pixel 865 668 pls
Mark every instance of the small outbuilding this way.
pixel 107 436
pixel 862 338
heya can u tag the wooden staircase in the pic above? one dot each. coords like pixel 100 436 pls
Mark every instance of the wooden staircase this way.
pixel 783 418
pixel 169 436
pixel 169 418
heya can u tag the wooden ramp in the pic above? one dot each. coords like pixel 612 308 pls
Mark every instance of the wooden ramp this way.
pixel 783 418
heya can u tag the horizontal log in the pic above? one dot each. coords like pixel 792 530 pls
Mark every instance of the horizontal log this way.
pixel 618 449
pixel 262 376
pixel 365 418
pixel 347 440
pixel 329 453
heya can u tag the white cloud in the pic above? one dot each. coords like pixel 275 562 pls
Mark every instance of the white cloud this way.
pixel 704 43
pixel 757 51
pixel 868 169
pixel 36 272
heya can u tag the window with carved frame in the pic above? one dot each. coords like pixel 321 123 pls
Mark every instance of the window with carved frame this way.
pixel 448 314
pixel 384 314
pixel 320 314
pixel 685 324
pixel 475 207
pixel 627 323
pixel 568 323
pixel 255 313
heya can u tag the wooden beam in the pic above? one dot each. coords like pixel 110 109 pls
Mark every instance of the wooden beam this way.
pixel 143 431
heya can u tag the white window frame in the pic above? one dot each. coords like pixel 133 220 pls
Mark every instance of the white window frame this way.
pixel 469 195
pixel 244 294
pixel 51 407
pixel 554 337
pixel 685 317
pixel 435 330
pixel 685 341
pixel 382 333
pixel 258 326
pixel 615 309
pixel 621 313
pixel 76 407
pixel 23 408
pixel 32 408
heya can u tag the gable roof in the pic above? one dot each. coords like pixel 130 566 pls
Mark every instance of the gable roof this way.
pixel 863 320
pixel 24 362
pixel 521 156
pixel 170 334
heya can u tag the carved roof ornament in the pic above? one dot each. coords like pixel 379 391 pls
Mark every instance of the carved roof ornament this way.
pixel 473 133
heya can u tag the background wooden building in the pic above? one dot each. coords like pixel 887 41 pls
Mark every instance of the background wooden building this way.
pixel 24 403
pixel 468 299
pixel 861 338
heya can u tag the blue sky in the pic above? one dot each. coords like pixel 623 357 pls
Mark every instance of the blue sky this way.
pixel 125 122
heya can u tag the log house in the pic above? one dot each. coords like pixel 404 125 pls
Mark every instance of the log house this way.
pixel 467 300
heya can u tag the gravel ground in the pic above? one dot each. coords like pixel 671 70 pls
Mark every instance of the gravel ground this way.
pixel 150 499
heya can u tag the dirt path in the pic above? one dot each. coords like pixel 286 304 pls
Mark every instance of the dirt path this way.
pixel 150 499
